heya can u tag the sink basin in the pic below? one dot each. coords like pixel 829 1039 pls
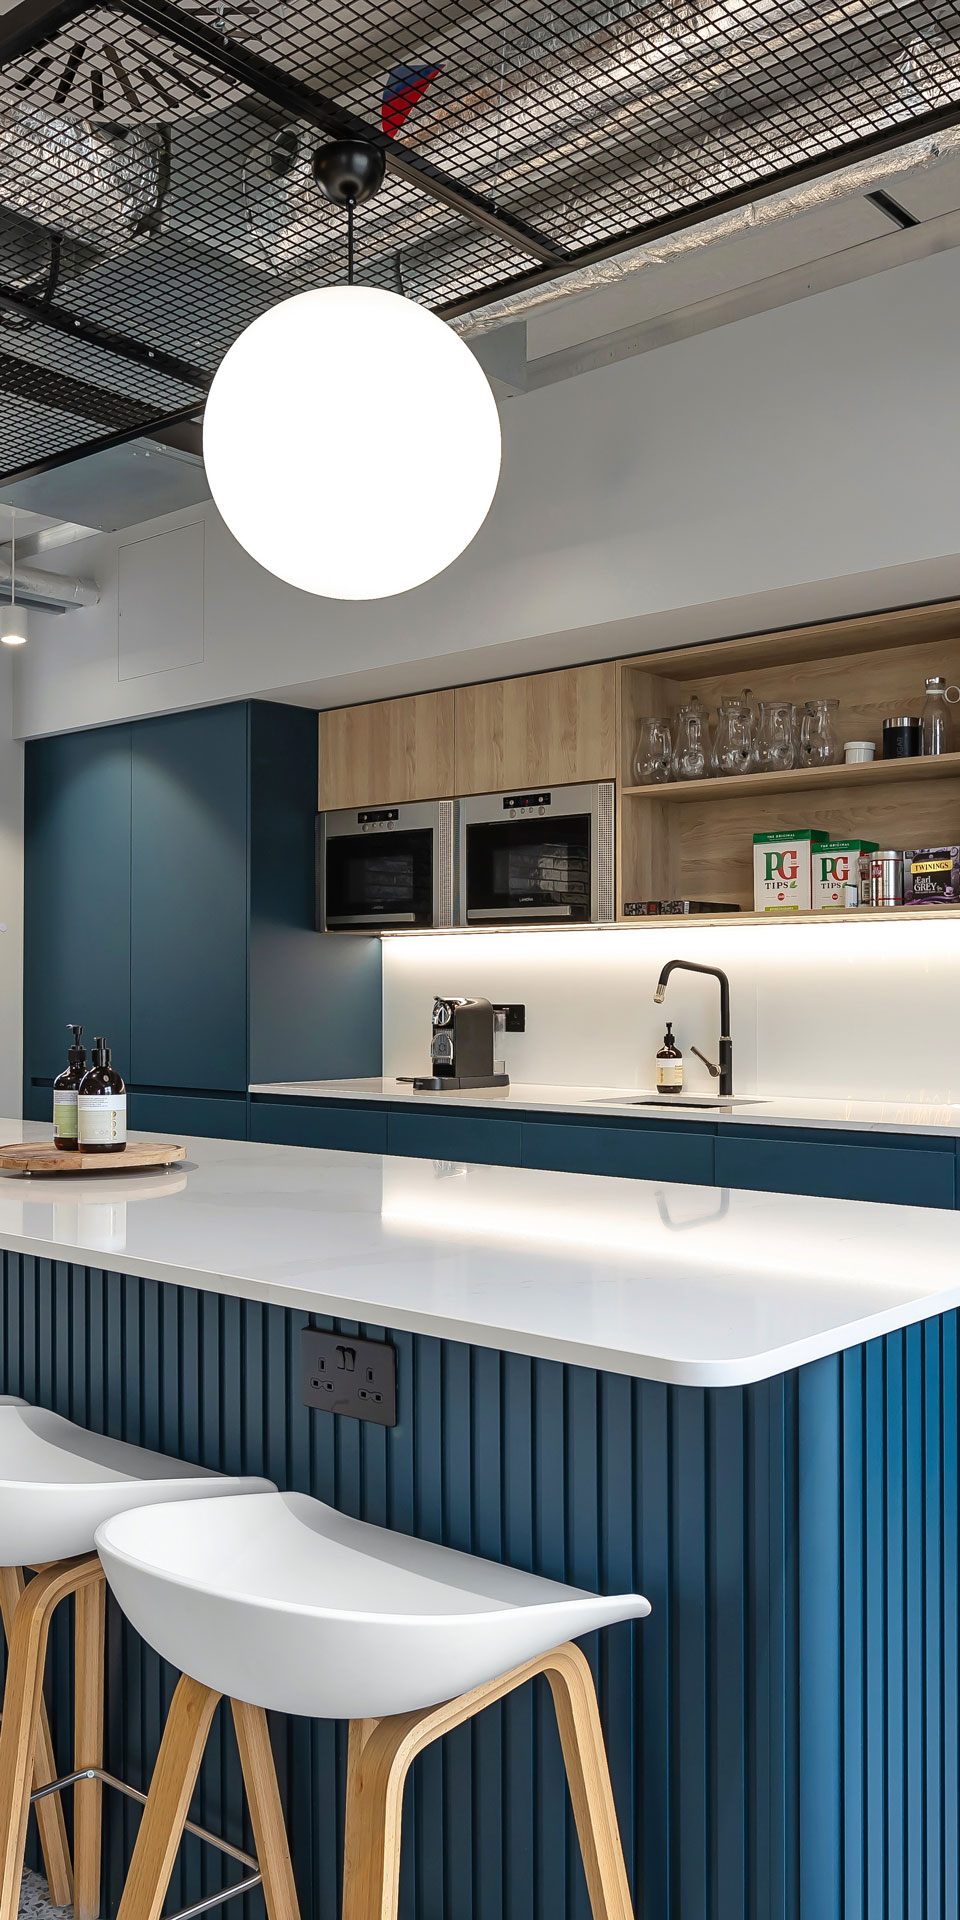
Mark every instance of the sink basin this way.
pixel 661 1101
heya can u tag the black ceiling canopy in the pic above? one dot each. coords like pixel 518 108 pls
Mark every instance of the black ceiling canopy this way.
pixel 156 191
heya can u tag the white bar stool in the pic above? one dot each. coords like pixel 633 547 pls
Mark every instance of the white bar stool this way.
pixel 57 1484
pixel 278 1601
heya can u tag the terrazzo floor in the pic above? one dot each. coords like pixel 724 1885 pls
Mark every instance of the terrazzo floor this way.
pixel 35 1900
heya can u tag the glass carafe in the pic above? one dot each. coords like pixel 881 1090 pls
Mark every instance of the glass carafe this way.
pixel 938 717
pixel 691 749
pixel 733 746
pixel 775 750
pixel 654 748
pixel 819 740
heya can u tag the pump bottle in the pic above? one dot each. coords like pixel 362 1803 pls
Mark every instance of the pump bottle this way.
pixel 65 1090
pixel 102 1105
pixel 669 1064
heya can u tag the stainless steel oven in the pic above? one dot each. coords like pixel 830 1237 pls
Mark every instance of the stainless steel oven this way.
pixel 537 856
pixel 381 867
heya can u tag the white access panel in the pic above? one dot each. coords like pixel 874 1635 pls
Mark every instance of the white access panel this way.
pixel 160 602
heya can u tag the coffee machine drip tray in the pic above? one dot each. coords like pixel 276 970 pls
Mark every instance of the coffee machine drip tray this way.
pixel 453 1083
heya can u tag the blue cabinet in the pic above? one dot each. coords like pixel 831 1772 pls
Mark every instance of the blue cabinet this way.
pixel 678 1152
pixel 350 1129
pixel 188 904
pixel 838 1166
pixel 170 904
pixel 179 1113
pixel 447 1135
pixel 76 900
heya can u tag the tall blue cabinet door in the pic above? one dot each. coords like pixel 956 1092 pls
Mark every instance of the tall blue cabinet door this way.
pixel 76 900
pixel 188 956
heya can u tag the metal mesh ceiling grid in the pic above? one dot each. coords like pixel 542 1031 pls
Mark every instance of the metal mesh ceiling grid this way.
pixel 156 191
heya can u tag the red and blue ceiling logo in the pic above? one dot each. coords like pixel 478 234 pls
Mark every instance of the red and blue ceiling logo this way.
pixel 405 86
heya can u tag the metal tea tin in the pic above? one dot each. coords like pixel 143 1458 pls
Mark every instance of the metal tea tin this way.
pixel 886 877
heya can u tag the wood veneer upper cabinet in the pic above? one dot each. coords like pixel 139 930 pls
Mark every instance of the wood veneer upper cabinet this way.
pixel 389 751
pixel 547 728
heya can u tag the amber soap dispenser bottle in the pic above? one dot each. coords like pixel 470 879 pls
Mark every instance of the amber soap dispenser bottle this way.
pixel 102 1105
pixel 66 1088
pixel 669 1064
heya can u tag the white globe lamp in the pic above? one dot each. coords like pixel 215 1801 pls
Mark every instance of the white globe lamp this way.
pixel 350 438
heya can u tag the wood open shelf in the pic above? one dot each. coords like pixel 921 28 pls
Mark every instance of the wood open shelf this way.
pixel 693 839
pixel 942 766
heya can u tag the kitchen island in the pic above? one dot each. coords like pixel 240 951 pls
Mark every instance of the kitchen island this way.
pixel 743 1404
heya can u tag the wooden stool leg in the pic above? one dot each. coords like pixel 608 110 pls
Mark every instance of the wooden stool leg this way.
pixel 379 1757
pixel 266 1814
pixel 168 1802
pixel 50 1820
pixel 588 1774
pixel 22 1701
pixel 88 1748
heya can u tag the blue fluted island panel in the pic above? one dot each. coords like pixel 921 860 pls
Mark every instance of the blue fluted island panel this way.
pixel 783 1731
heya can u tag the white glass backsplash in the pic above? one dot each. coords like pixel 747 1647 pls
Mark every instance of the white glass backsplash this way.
pixel 868 1011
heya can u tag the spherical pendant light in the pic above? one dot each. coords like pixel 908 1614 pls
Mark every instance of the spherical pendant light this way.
pixel 351 440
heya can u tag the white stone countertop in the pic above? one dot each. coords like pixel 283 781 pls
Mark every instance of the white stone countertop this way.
pixel 691 1285
pixel 755 1110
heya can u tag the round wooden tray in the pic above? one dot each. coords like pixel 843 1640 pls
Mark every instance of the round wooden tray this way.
pixel 41 1156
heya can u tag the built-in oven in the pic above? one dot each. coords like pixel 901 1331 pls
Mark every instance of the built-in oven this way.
pixel 382 867
pixel 533 856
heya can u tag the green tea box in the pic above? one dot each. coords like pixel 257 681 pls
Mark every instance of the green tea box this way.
pixel 839 873
pixel 783 869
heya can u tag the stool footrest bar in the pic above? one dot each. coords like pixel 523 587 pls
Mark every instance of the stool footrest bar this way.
pixel 189 1826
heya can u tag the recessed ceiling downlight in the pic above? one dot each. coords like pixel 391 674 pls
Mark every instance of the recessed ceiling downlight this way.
pixel 351 442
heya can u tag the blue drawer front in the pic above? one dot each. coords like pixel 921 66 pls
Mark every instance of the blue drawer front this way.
pixel 188 1113
pixel 455 1136
pixel 922 1176
pixel 632 1152
pixel 351 1129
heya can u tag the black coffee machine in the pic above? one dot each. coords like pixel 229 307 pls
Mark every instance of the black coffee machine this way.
pixel 461 1051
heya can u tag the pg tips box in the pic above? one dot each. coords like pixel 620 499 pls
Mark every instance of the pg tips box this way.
pixel 783 869
pixel 838 875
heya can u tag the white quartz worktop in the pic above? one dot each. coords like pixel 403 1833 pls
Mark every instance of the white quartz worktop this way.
pixel 775 1110
pixel 685 1284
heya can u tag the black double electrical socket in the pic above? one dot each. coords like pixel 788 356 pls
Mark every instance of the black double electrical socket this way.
pixel 516 1012
pixel 355 1377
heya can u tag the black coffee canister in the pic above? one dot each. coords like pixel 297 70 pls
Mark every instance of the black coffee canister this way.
pixel 902 738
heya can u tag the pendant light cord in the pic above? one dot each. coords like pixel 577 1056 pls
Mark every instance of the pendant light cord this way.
pixel 351 202
pixel 13 556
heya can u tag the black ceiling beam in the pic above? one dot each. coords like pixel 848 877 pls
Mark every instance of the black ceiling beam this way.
pixel 107 339
pixel 64 393
pixel 869 148
pixel 33 21
pixel 148 430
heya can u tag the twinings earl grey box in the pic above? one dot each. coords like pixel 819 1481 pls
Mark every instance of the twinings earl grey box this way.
pixel 838 876
pixel 783 869
pixel 931 877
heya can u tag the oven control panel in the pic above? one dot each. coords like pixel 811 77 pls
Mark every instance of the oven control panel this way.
pixel 526 804
pixel 378 819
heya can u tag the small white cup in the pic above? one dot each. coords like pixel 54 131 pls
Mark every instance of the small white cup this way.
pixel 856 752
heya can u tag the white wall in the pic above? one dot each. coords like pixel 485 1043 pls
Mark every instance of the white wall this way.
pixel 798 463
pixel 11 896
pixel 833 1011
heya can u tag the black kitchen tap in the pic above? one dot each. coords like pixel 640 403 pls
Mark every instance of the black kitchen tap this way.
pixel 722 1071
